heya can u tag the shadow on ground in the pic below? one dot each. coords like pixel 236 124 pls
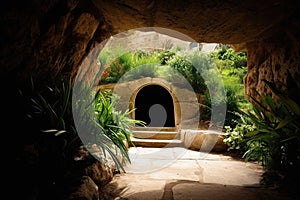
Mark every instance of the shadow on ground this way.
pixel 192 190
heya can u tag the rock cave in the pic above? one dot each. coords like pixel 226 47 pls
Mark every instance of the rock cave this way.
pixel 41 40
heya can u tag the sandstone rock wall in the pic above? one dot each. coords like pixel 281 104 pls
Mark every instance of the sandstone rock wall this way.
pixel 42 39
pixel 270 59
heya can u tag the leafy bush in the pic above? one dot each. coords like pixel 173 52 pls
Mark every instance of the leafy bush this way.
pixel 146 70
pixel 278 126
pixel 165 55
pixel 117 68
pixel 240 73
pixel 114 69
pixel 232 119
pixel 270 132
pixel 116 125
pixel 183 66
pixel 51 110
pixel 99 123
pixel 276 138
pixel 227 58
pixel 51 132
pixel 235 137
pixel 232 66
pixel 231 101
pixel 148 64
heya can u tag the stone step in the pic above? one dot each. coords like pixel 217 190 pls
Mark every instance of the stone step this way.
pixel 160 135
pixel 156 143
pixel 140 128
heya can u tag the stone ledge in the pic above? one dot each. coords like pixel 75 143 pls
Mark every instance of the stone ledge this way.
pixel 203 140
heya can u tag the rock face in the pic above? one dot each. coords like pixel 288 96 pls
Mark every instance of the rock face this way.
pixel 86 177
pixel 86 190
pixel 271 58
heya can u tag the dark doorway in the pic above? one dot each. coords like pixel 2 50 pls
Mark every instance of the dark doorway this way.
pixel 154 105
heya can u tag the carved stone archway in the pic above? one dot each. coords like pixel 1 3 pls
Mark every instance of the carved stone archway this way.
pixel 185 101
pixel 154 105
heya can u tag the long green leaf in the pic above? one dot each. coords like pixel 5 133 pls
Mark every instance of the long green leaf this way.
pixel 288 139
pixel 256 132
pixel 288 101
pixel 286 121
pixel 67 96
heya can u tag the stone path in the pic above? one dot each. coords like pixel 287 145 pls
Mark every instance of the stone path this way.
pixel 181 174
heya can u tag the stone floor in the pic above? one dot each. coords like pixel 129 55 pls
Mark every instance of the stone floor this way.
pixel 180 174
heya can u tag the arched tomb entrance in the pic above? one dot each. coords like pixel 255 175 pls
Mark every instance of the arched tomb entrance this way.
pixel 160 98
pixel 154 105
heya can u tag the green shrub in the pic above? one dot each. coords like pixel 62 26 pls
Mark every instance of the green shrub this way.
pixel 50 109
pixel 240 73
pixel 270 132
pixel 235 136
pixel 165 55
pixel 53 113
pixel 148 64
pixel 146 70
pixel 227 58
pixel 232 66
pixel 232 106
pixel 187 70
pixel 116 125
pixel 116 68
pixel 251 150
pixel 278 126
pixel 276 138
